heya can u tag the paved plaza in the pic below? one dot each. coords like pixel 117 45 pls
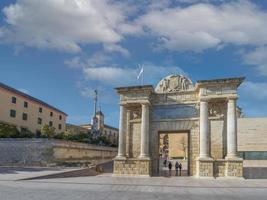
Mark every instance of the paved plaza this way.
pixel 107 186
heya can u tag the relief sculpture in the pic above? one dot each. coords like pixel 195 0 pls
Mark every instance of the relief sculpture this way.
pixel 174 83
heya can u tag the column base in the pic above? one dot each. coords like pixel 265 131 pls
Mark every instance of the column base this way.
pixel 229 167
pixel 144 157
pixel 232 157
pixel 120 157
pixel 204 167
pixel 234 167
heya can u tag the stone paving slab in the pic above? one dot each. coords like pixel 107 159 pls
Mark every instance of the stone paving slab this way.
pixel 119 188
pixel 17 173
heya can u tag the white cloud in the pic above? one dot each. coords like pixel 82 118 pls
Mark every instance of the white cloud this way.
pixel 99 68
pixel 117 76
pixel 201 26
pixel 254 90
pixel 258 58
pixel 109 75
pixel 69 24
pixel 63 24
pixel 116 48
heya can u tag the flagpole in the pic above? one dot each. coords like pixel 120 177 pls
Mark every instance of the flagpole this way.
pixel 143 76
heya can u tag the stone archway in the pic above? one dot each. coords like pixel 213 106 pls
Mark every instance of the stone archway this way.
pixel 181 126
pixel 177 105
pixel 174 147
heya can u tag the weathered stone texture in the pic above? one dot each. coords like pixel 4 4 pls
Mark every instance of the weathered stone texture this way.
pixel 205 168
pixel 219 168
pixel 234 168
pixel 44 152
pixel 136 139
pixel 218 139
pixel 252 134
pixel 132 167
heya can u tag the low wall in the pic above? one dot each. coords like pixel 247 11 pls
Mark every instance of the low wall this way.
pixel 45 152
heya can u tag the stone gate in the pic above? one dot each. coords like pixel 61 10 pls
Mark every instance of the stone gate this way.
pixel 178 105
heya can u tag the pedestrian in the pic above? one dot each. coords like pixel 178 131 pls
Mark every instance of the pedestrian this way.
pixel 170 167
pixel 180 168
pixel 176 168
pixel 165 163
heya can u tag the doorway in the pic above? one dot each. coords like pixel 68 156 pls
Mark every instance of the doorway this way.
pixel 173 153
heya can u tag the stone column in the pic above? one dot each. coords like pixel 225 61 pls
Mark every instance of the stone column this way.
pixel 231 129
pixel 122 133
pixel 128 133
pixel 204 130
pixel 144 132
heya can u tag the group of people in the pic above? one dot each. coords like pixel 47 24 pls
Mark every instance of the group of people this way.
pixel 178 166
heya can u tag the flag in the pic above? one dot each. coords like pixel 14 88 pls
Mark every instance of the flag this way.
pixel 141 72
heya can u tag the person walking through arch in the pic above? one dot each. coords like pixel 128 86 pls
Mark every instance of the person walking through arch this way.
pixel 170 168
pixel 165 162
pixel 180 168
pixel 176 168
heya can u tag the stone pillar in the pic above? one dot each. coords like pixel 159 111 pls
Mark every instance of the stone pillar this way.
pixel 145 132
pixel 204 164
pixel 122 133
pixel 231 129
pixel 204 130
pixel 128 133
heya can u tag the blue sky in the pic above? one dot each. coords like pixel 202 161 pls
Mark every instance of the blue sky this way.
pixel 61 50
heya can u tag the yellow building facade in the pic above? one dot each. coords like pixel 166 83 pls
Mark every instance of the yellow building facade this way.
pixel 26 112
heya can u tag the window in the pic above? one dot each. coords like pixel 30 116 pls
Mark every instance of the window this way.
pixel 39 120
pixel 59 126
pixel 51 123
pixel 51 114
pixel 25 104
pixel 14 100
pixel 12 113
pixel 24 116
pixel 40 110
pixel 60 117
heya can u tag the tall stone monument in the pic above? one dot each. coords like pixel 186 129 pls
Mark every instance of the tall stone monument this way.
pixel 177 105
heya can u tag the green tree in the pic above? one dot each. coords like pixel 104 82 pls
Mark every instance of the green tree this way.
pixel 47 131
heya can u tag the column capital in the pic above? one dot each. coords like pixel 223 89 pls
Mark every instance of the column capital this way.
pixel 145 103
pixel 232 98
pixel 204 99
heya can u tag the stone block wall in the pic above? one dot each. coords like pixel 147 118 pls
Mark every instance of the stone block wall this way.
pixel 228 168
pixel 44 152
pixel 132 166
pixel 234 168
pixel 136 139
pixel 218 138
pixel 219 168
pixel 205 168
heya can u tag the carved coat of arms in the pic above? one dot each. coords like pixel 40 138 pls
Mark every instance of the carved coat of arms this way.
pixel 174 83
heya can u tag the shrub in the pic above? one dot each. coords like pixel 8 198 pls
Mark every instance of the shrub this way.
pixel 47 131
pixel 8 131
pixel 59 136
pixel 26 134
